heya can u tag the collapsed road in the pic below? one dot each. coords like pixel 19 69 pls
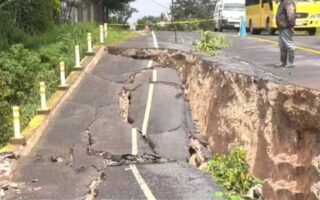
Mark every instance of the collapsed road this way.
pixel 233 99
pixel 90 151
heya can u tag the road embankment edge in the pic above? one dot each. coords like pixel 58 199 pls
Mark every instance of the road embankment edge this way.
pixel 39 123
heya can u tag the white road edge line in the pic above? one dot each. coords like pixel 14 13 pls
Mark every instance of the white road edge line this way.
pixel 155 41
pixel 148 110
pixel 134 143
pixel 142 183
pixel 154 75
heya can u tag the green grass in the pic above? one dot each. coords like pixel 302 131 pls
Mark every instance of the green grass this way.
pixel 35 59
pixel 211 43
pixel 232 172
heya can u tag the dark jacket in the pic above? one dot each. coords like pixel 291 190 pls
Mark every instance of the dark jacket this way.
pixel 286 15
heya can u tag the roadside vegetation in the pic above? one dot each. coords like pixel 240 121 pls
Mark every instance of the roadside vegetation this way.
pixel 35 37
pixel 178 25
pixel 211 43
pixel 24 65
pixel 232 172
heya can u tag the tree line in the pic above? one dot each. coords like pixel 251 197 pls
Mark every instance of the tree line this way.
pixel 181 10
pixel 21 17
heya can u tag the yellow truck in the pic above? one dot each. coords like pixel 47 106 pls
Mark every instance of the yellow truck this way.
pixel 261 15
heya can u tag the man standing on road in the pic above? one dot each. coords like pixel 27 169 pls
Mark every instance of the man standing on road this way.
pixel 286 19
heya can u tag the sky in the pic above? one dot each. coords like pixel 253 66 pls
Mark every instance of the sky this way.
pixel 149 7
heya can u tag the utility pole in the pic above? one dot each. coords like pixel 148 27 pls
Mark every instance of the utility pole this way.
pixel 172 8
pixel 172 19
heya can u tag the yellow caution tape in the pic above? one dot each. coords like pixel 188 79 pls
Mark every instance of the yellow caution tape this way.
pixel 165 23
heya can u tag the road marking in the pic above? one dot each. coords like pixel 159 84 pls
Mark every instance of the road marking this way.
pixel 142 183
pixel 150 63
pixel 148 110
pixel 149 101
pixel 297 47
pixel 134 137
pixel 154 75
pixel 155 41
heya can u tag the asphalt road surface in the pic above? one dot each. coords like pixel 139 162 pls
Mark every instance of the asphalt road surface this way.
pixel 263 52
pixel 88 150
pixel 74 156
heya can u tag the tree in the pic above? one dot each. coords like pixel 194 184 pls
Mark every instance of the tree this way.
pixel 122 16
pixel 31 15
pixel 192 9
pixel 110 6
pixel 67 6
pixel 148 20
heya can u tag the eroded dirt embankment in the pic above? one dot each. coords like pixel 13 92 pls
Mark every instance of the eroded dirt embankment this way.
pixel 277 124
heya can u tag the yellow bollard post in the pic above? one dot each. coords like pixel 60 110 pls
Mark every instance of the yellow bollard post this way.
pixel 43 96
pixel 17 139
pixel 63 85
pixel 77 57
pixel 105 30
pixel 43 100
pixel 16 122
pixel 134 142
pixel 89 39
pixel 101 34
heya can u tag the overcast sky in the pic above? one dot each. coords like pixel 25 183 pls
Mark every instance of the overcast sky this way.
pixel 149 7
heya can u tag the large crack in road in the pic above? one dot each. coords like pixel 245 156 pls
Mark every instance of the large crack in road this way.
pixel 86 150
pixel 238 104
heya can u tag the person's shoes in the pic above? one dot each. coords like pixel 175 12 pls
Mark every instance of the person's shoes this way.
pixel 291 59
pixel 290 65
pixel 283 59
pixel 280 65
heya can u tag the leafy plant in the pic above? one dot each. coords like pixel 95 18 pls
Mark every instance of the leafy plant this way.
pixel 232 172
pixel 229 196
pixel 23 66
pixel 210 42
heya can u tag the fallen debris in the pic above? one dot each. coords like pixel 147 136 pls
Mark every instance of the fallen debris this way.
pixel 57 159
pixel 199 152
pixel 93 187
pixel 127 159
pixel 35 180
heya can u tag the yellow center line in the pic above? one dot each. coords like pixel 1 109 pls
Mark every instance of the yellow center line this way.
pixel 297 47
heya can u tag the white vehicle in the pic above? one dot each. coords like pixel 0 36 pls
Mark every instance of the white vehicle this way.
pixel 227 14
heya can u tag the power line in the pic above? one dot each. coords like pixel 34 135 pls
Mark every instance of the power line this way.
pixel 160 4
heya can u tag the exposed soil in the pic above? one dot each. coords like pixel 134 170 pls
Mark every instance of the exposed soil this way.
pixel 124 103
pixel 235 104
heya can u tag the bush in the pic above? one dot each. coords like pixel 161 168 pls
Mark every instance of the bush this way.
pixel 210 42
pixel 181 25
pixel 21 72
pixel 23 66
pixel 232 171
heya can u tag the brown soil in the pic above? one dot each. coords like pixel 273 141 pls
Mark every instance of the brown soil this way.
pixel 124 103
pixel 277 124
